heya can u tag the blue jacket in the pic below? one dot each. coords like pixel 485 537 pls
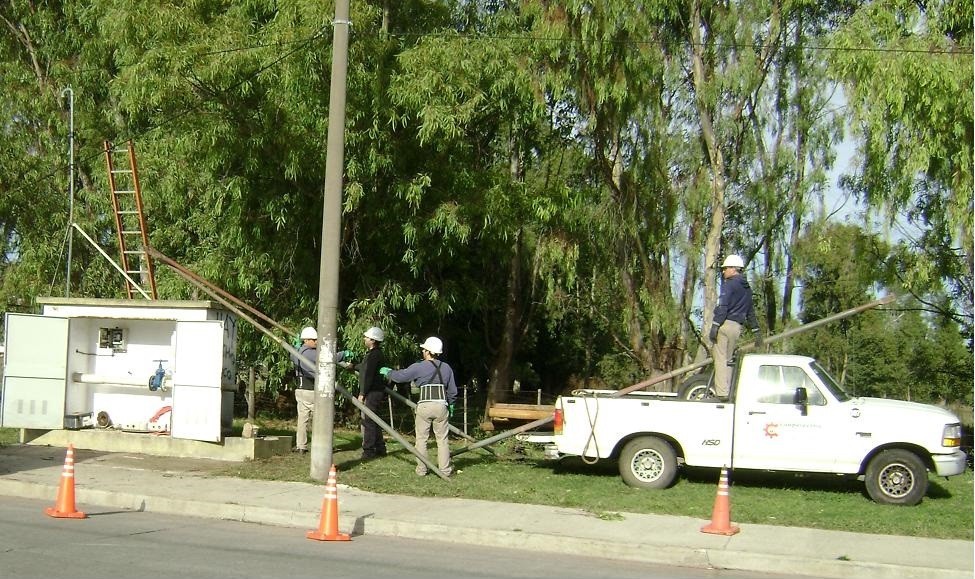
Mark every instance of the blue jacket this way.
pixel 306 376
pixel 425 372
pixel 735 303
pixel 310 354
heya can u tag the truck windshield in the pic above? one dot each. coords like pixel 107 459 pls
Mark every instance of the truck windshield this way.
pixel 829 383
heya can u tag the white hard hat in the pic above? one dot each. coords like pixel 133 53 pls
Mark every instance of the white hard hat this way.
pixel 733 261
pixel 309 333
pixel 374 333
pixel 432 345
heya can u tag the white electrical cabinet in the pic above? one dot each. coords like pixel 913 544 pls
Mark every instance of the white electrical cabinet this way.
pixel 146 366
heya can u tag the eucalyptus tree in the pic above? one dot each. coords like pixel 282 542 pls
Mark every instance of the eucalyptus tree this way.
pixel 761 105
pixel 794 124
pixel 839 267
pixel 44 49
pixel 694 118
pixel 906 69
pixel 480 226
pixel 223 103
pixel 603 67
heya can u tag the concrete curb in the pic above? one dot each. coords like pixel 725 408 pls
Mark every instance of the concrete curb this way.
pixel 533 541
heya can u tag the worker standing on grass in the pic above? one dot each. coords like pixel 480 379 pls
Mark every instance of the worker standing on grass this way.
pixel 305 391
pixel 735 309
pixel 372 392
pixel 438 390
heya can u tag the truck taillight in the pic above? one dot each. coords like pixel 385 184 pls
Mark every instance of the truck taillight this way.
pixel 558 421
pixel 951 436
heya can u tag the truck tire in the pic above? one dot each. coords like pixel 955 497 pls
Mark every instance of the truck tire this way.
pixel 648 462
pixel 696 388
pixel 896 477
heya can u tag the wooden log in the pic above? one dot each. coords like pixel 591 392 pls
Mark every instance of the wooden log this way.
pixel 521 411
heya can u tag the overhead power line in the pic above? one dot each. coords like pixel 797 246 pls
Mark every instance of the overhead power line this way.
pixel 956 51
pixel 304 43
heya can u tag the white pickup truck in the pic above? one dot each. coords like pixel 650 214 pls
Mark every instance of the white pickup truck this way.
pixel 785 413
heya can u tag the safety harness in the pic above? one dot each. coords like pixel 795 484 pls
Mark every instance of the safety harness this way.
pixel 435 391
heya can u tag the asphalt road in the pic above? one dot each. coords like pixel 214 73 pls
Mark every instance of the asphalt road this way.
pixel 139 544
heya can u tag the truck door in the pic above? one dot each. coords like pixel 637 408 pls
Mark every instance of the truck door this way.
pixel 35 372
pixel 772 432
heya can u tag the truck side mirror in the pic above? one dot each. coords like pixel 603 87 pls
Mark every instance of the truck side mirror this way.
pixel 801 399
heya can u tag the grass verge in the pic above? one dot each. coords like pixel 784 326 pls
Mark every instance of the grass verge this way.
pixel 520 474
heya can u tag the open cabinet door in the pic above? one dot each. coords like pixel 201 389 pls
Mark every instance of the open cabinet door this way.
pixel 196 381
pixel 35 372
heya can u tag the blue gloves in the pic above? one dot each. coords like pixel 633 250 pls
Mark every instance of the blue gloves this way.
pixel 713 334
pixel 384 372
pixel 343 356
pixel 450 411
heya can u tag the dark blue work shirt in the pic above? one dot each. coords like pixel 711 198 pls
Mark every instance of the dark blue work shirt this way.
pixel 735 303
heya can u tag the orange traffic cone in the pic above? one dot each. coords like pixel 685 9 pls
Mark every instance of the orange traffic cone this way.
pixel 64 508
pixel 721 516
pixel 328 527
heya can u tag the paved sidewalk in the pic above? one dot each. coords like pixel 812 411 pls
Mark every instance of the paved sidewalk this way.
pixel 183 486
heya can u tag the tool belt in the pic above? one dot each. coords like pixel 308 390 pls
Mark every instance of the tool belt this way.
pixel 306 383
pixel 432 393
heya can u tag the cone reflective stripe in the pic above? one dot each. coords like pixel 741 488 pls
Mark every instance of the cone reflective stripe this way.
pixel 64 508
pixel 328 526
pixel 721 515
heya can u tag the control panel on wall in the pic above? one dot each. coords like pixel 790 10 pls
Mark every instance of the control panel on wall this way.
pixel 113 339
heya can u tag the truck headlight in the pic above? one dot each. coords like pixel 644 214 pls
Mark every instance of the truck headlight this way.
pixel 951 436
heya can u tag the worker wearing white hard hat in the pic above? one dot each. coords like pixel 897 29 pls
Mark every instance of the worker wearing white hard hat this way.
pixel 372 392
pixel 305 390
pixel 438 391
pixel 735 309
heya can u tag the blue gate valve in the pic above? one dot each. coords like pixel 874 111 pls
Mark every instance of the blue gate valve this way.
pixel 157 379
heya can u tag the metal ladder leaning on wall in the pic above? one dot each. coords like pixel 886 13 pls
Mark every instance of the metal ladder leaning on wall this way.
pixel 130 222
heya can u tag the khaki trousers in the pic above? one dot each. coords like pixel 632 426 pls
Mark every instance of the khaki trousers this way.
pixel 306 410
pixel 724 349
pixel 433 413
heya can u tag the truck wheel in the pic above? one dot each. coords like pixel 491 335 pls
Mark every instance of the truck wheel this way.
pixel 648 462
pixel 696 388
pixel 896 477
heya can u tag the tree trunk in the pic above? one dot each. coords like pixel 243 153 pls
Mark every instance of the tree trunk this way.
pixel 500 373
pixel 713 239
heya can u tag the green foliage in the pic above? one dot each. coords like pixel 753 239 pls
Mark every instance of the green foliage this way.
pixel 906 72
pixel 902 352
pixel 533 178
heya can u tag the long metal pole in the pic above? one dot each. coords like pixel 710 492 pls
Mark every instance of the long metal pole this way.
pixel 210 290
pixel 224 297
pixel 505 434
pixel 67 276
pixel 394 394
pixel 155 254
pixel 656 379
pixel 328 283
pixel 750 346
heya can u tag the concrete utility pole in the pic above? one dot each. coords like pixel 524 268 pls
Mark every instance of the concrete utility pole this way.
pixel 328 282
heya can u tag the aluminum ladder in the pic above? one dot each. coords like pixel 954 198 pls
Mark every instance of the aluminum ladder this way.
pixel 130 221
